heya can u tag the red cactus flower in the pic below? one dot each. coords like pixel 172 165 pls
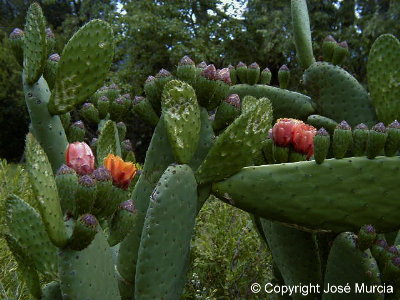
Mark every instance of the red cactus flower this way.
pixel 303 139
pixel 121 172
pixel 80 157
pixel 282 132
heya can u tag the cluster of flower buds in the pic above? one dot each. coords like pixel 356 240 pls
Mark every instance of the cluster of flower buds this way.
pixel 79 157
pixel 211 73
pixel 295 133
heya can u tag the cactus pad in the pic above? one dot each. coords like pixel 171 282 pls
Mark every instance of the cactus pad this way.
pixel 83 66
pixel 285 103
pixel 182 119
pixel 384 77
pixel 45 190
pixel 166 235
pixel 88 274
pixel 295 254
pixel 26 227
pixel 338 95
pixel 158 157
pixel 108 142
pixel 347 265
pixel 337 195
pixel 237 145
pixel 34 44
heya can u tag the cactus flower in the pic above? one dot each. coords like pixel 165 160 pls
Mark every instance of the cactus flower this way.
pixel 80 157
pixel 303 139
pixel 122 172
pixel 282 132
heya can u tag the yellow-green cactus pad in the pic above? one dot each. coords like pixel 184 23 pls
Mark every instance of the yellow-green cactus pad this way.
pixel 83 66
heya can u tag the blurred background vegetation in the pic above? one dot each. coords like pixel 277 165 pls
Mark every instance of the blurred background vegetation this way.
pixel 152 34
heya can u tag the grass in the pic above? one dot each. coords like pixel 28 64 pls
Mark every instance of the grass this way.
pixel 226 254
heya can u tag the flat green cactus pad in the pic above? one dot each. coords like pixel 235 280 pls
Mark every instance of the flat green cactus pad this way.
pixel 166 235
pixel 286 104
pixel 45 189
pixel 26 227
pixel 295 254
pixel 348 265
pixel 34 44
pixel 337 195
pixel 182 119
pixel 206 140
pixel 338 95
pixel 384 77
pixel 83 66
pixel 158 157
pixel 108 142
pixel 88 274
pixel 237 145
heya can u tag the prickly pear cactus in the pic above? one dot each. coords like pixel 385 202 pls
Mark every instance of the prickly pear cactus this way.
pixel 108 229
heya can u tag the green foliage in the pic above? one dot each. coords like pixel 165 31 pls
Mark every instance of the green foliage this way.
pixel 12 107
pixel 226 256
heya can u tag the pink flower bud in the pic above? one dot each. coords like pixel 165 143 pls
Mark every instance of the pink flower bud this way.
pixel 303 139
pixel 282 132
pixel 80 157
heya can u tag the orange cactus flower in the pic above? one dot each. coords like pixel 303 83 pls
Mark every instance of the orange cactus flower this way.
pixel 303 139
pixel 122 172
pixel 282 131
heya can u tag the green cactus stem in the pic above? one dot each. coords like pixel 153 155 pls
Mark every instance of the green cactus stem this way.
pixel 302 33
pixel 46 128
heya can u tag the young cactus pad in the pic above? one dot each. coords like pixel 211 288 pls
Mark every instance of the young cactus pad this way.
pixel 83 66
